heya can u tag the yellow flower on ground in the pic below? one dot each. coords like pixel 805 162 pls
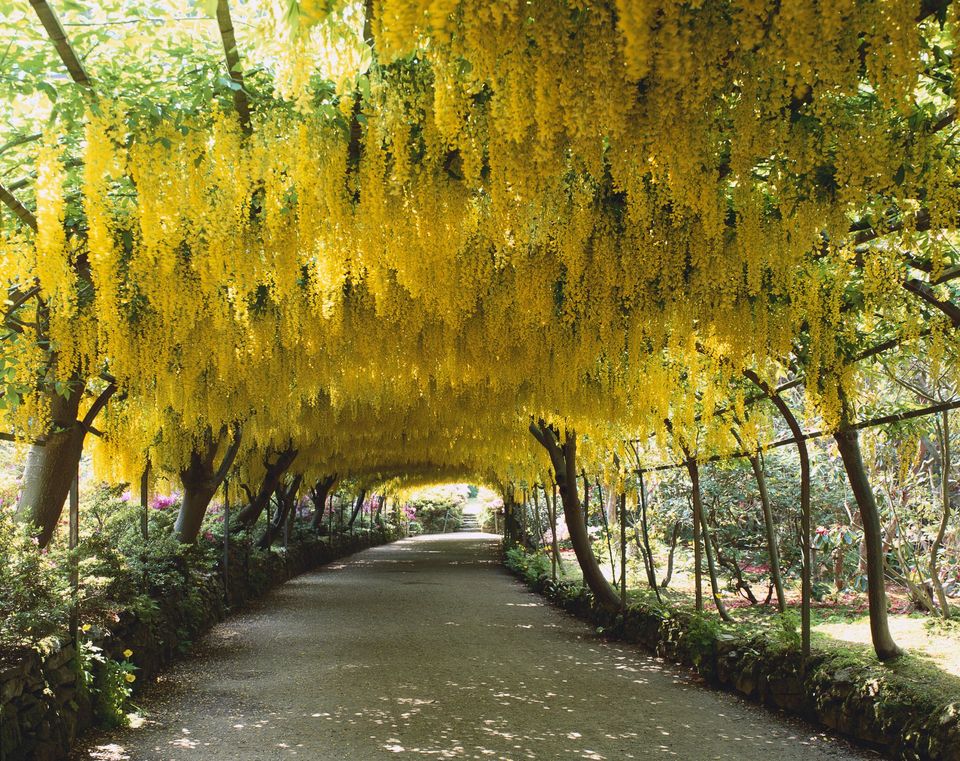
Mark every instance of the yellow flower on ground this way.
pixel 127 653
pixel 130 677
pixel 85 627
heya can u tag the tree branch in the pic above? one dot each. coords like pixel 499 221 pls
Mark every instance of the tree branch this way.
pixel 228 458
pixel 240 100
pixel 925 292
pixel 23 213
pixel 59 39
pixel 98 404
pixel 20 141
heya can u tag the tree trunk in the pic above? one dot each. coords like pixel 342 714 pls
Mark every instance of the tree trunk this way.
pixel 945 518
pixel 674 539
pixel 645 531
pixel 773 552
pixel 712 568
pixel 356 508
pixel 806 579
pixel 524 534
pixel 537 523
pixel 286 499
pixel 697 559
pixel 606 526
pixel 586 501
pixel 198 489
pixel 623 552
pixel 848 443
pixel 609 516
pixel 200 482
pixel 694 470
pixel 318 495
pixel 274 472
pixel 564 461
pixel 511 526
pixel 51 467
pixel 553 530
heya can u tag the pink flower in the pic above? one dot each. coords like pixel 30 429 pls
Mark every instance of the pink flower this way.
pixel 162 501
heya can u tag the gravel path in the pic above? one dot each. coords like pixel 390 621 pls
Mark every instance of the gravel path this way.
pixel 427 648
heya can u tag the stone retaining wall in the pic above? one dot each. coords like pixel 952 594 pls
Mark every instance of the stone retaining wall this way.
pixel 42 705
pixel 870 704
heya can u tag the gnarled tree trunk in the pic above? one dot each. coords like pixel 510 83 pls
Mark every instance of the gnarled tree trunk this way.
pixel 286 500
pixel 51 467
pixel 273 473
pixel 200 482
pixel 318 495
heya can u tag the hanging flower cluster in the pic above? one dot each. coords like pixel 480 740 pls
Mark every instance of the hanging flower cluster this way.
pixel 597 214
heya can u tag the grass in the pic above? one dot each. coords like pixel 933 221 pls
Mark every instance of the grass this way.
pixel 926 639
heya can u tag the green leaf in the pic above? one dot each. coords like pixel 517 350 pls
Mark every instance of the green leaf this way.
pixel 363 85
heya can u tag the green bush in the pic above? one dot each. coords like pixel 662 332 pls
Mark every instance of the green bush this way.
pixel 700 637
pixel 786 636
pixel 34 594
pixel 439 509
pixel 533 566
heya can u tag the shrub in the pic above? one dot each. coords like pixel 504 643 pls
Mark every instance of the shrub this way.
pixel 439 509
pixel 34 595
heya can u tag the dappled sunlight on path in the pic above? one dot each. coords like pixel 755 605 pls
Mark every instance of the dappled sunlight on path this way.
pixel 428 649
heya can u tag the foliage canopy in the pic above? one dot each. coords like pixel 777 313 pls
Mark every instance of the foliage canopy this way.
pixel 447 217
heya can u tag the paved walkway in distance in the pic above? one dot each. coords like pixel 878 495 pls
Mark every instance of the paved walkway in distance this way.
pixel 428 649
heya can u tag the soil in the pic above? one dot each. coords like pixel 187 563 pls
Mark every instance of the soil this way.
pixel 428 648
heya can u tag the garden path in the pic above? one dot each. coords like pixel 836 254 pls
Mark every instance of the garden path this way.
pixel 427 648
